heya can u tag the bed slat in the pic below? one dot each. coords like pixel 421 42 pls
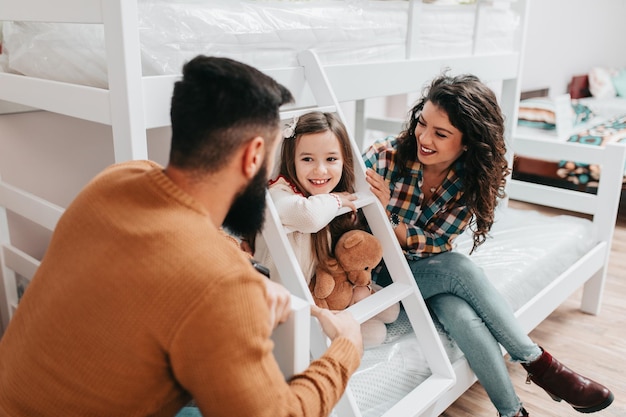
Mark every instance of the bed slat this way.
pixel 29 206
pixel 88 103
pixel 546 195
pixel 379 79
pixel 20 262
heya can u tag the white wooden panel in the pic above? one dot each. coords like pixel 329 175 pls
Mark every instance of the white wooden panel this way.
pixel 374 304
pixel 30 206
pixel 549 298
pixel 379 79
pixel 609 189
pixel 552 197
pixel 157 97
pixel 20 262
pixel 292 339
pixel 551 150
pixel 69 11
pixel 157 93
pixel 121 34
pixel 88 103
pixel 422 398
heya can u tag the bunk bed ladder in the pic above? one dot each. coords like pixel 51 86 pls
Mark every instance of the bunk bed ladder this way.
pixel 403 289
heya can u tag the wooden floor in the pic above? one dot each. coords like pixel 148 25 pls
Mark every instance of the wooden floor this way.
pixel 594 346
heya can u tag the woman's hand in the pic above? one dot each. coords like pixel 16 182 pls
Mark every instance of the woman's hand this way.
pixel 378 186
pixel 339 323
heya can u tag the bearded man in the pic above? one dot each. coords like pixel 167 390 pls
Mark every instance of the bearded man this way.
pixel 142 303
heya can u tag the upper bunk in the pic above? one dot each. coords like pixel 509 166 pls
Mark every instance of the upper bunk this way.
pixel 114 62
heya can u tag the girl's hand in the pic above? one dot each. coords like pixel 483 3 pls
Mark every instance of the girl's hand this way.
pixel 378 186
pixel 347 200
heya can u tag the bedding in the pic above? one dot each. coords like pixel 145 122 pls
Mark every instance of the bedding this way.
pixel 613 130
pixel 597 121
pixel 265 34
pixel 540 113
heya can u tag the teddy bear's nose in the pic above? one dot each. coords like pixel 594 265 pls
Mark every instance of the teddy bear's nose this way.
pixel 367 267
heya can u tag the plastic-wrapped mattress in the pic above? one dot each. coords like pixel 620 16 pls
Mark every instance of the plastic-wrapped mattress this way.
pixel 265 34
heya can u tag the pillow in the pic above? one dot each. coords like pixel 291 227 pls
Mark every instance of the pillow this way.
pixel 540 113
pixel 619 82
pixel 600 83
pixel 579 86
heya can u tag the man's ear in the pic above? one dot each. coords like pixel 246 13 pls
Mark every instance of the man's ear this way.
pixel 253 156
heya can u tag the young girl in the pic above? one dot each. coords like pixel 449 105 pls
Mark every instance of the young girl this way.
pixel 315 180
pixel 442 174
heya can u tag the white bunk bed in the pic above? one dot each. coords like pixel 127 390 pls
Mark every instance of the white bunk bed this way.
pixel 133 103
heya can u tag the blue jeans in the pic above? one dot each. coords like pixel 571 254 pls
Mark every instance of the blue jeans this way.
pixel 476 316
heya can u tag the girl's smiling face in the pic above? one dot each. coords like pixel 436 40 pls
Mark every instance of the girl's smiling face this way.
pixel 319 162
pixel 439 143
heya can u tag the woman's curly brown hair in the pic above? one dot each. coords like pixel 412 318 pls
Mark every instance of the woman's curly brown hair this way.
pixel 472 107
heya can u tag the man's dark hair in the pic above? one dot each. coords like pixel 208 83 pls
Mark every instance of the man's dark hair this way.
pixel 219 105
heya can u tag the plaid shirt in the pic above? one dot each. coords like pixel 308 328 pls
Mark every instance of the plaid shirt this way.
pixel 431 227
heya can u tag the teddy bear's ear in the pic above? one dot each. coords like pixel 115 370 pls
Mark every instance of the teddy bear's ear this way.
pixel 352 240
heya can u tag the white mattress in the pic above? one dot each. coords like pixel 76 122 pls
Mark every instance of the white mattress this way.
pixel 528 250
pixel 265 34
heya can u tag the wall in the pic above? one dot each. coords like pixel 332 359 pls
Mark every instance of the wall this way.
pixel 569 37
pixel 53 157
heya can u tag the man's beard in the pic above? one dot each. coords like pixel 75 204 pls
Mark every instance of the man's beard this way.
pixel 247 213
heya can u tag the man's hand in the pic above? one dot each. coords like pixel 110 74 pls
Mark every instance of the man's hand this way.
pixel 339 323
pixel 278 301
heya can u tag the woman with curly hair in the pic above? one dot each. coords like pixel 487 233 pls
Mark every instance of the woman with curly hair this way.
pixel 442 174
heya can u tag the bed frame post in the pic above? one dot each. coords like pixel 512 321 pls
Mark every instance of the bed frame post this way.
pixel 412 34
pixel 8 290
pixel 511 89
pixel 609 193
pixel 125 79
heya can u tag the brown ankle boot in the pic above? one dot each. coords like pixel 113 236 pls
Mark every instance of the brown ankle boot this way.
pixel 561 383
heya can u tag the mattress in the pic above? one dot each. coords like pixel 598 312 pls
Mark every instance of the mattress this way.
pixel 265 34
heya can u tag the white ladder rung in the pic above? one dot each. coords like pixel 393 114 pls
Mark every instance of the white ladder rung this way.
pixel 380 300
pixel 362 199
pixel 420 399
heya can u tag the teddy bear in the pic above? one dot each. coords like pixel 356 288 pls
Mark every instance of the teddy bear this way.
pixel 347 278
